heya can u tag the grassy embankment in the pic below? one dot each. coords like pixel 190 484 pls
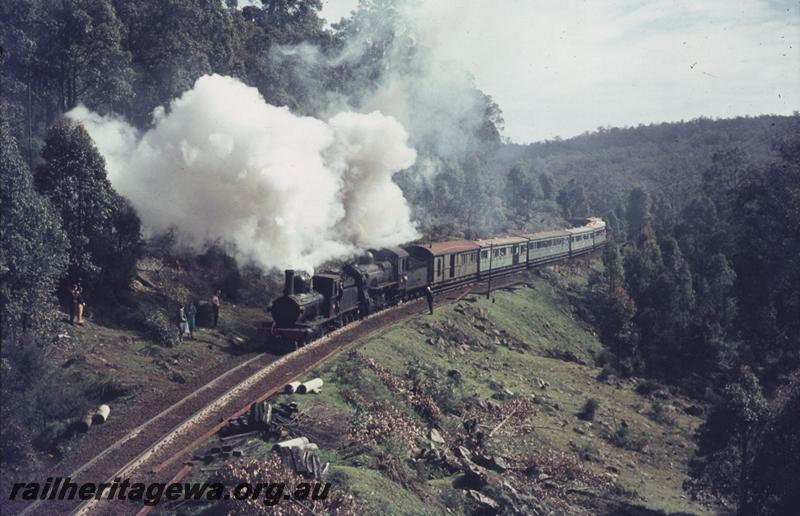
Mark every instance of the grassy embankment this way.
pixel 507 380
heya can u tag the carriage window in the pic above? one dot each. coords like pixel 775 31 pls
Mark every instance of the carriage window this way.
pixel 484 255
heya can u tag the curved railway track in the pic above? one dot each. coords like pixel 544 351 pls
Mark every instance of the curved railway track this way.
pixel 153 451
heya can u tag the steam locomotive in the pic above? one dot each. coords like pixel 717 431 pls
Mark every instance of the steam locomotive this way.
pixel 313 306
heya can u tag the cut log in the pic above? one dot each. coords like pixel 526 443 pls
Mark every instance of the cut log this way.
pixel 292 443
pixel 310 386
pixel 291 388
pixel 101 414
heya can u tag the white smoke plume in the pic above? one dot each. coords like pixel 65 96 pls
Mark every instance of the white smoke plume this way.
pixel 288 191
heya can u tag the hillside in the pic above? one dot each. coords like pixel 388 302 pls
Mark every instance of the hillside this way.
pixel 504 383
pixel 668 159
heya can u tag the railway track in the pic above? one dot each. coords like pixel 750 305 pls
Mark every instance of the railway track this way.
pixel 154 450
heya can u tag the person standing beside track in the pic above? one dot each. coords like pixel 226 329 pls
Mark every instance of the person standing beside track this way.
pixel 215 302
pixel 191 317
pixel 429 297
pixel 180 319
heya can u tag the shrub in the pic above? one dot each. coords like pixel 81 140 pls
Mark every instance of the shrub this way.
pixel 588 410
pixel 446 388
pixel 106 388
pixel 660 412
pixel 646 387
pixel 623 437
pixel 158 327
pixel 606 372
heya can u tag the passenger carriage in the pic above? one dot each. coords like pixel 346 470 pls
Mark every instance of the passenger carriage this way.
pixel 502 255
pixel 586 237
pixel 547 246
pixel 449 263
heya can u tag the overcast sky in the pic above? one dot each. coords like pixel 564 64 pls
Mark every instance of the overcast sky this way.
pixel 559 68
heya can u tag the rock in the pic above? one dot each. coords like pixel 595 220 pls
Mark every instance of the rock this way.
pixel 543 477
pixel 542 383
pixel 494 463
pixel 510 489
pixel 579 430
pixel 436 437
pixel 483 500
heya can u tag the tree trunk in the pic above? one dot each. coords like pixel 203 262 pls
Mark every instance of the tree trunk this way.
pixel 743 488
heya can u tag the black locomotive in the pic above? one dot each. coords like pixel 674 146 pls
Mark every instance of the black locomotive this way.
pixel 310 307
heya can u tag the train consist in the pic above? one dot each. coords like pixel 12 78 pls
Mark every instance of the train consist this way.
pixel 310 307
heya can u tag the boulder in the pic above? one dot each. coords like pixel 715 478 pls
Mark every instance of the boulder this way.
pixel 484 501
pixel 436 437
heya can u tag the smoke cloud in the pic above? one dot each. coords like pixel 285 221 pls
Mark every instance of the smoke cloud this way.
pixel 288 191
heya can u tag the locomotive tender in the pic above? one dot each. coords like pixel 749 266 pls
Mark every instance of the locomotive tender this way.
pixel 311 307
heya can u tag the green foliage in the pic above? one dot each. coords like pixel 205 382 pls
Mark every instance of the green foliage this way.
pixel 767 262
pixel 660 412
pixel 38 400
pixel 548 186
pixel 158 327
pixel 32 249
pixel 726 440
pixel 614 310
pixel 637 214
pixel 102 228
pixel 520 192
pixel 775 472
pixel 67 52
pixel 445 389
pixel 624 437
pixel 572 199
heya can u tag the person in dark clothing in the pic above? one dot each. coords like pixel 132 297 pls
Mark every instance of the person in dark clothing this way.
pixel 215 306
pixel 75 295
pixel 191 318
pixel 429 297
pixel 76 304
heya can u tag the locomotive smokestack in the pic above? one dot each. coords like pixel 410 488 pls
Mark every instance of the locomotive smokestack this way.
pixel 288 288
